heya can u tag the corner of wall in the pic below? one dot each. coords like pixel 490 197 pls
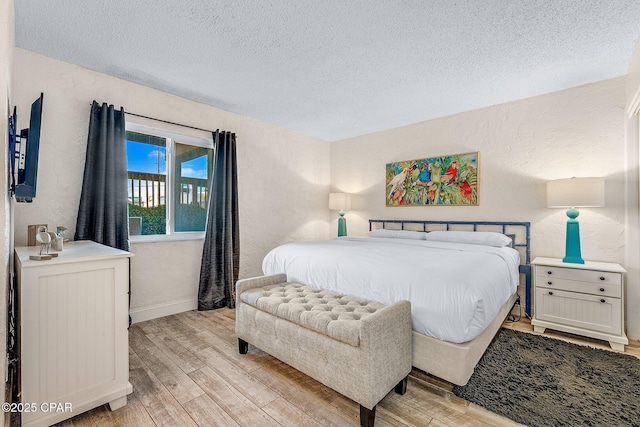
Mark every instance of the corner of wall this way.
pixel 6 83
pixel 632 214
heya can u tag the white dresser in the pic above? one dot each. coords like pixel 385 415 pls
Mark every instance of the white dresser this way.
pixel 72 329
pixel 584 299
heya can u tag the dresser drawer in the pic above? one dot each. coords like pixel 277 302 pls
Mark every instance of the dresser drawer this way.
pixel 556 283
pixel 584 311
pixel 601 277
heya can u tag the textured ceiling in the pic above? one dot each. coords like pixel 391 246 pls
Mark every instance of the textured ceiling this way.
pixel 333 69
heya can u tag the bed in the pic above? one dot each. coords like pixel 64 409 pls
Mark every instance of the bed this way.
pixel 461 281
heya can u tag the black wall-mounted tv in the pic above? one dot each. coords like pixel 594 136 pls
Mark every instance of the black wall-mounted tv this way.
pixel 24 181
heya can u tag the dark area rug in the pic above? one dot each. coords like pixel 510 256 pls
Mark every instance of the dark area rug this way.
pixel 541 381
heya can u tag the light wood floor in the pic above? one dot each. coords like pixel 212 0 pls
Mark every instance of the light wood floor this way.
pixel 186 371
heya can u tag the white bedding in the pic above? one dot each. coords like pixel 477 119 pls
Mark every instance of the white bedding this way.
pixel 455 289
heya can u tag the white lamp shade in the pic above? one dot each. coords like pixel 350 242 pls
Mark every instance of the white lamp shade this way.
pixel 339 201
pixel 575 193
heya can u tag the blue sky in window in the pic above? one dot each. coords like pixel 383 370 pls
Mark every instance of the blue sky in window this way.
pixel 196 168
pixel 149 158
pixel 146 158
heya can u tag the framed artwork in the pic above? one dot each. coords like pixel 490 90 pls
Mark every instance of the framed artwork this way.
pixel 447 180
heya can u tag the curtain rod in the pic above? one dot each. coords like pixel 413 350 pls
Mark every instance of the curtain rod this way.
pixel 168 122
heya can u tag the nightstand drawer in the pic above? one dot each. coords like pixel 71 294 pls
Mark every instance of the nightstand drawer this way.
pixel 602 277
pixel 579 310
pixel 556 283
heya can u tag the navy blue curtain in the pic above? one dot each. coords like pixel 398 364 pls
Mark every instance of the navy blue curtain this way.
pixel 221 251
pixel 102 214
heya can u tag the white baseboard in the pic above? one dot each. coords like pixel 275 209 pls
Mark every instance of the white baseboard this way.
pixel 160 310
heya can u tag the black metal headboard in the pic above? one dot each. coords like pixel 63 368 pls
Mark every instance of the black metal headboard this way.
pixel 519 232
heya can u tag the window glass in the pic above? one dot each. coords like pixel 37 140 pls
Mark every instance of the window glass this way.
pixel 168 182
pixel 147 181
pixel 193 166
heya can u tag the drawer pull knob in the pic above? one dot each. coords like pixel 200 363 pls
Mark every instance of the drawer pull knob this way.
pixel 601 277
pixel 549 272
pixel 549 282
pixel 602 300
pixel 601 289
pixel 550 293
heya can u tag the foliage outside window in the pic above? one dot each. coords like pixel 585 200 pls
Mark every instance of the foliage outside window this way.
pixel 169 177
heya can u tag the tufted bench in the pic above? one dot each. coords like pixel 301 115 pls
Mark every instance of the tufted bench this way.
pixel 359 348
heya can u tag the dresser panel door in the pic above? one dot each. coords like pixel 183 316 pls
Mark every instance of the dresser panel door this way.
pixel 592 312
pixel 74 334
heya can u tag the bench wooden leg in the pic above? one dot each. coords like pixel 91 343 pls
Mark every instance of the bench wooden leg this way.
pixel 243 346
pixel 367 416
pixel 401 387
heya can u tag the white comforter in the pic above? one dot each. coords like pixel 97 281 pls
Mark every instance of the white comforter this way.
pixel 455 289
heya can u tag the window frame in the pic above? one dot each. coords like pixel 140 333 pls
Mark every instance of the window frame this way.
pixel 172 138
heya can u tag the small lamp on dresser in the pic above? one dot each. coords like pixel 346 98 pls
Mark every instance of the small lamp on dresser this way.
pixel 341 202
pixel 574 193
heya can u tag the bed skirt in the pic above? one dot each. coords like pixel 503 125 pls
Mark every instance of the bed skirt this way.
pixel 455 362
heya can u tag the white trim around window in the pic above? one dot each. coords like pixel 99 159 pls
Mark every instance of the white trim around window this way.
pixel 171 138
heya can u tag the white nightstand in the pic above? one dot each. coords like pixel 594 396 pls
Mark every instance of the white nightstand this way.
pixel 584 299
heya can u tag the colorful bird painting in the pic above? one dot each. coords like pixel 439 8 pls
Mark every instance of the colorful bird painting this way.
pixel 465 190
pixel 425 176
pixel 450 174
pixel 397 180
pixel 444 180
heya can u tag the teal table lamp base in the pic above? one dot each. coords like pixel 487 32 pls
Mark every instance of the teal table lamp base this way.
pixel 342 225
pixel 572 251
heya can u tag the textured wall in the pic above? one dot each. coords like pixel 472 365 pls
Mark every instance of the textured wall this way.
pixel 6 64
pixel 283 176
pixel 522 144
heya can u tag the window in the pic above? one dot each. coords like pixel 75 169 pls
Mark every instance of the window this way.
pixel 169 177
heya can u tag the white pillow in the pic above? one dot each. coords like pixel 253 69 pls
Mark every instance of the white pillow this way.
pixel 398 234
pixel 487 238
